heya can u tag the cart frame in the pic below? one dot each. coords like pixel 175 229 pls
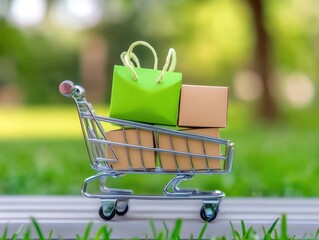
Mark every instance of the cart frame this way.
pixel 115 201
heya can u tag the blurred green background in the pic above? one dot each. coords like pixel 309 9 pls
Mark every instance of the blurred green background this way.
pixel 267 52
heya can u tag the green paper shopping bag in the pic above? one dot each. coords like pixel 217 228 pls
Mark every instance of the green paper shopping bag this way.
pixel 146 95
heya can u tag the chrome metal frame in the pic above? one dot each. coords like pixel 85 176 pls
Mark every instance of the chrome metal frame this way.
pixel 96 143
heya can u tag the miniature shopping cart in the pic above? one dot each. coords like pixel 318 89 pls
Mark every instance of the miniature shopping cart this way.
pixel 103 156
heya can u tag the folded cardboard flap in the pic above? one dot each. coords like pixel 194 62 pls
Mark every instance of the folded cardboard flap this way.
pixel 130 157
pixel 203 106
pixel 184 162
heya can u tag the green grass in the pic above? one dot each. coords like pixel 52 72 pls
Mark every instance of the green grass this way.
pixel 41 122
pixel 270 159
pixel 104 232
pixel 37 166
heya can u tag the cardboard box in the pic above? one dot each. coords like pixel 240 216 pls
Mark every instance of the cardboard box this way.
pixel 184 162
pixel 127 156
pixel 203 106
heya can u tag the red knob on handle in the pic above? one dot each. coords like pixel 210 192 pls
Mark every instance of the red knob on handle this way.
pixel 66 87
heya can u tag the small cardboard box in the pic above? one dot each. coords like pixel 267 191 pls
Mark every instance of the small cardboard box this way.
pixel 170 161
pixel 129 156
pixel 203 106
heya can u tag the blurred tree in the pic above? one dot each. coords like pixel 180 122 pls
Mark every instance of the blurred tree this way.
pixel 213 39
pixel 13 51
pixel 39 63
pixel 261 61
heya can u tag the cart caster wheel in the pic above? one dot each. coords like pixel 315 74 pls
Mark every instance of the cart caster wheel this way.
pixel 103 216
pixel 208 218
pixel 122 211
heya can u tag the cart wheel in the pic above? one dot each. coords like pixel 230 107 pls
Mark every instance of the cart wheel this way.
pixel 122 211
pixel 208 218
pixel 122 207
pixel 102 215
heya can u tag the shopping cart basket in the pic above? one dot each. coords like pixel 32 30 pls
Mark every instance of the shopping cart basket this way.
pixel 115 201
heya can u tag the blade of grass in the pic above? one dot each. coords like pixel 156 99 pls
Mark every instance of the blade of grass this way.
pixel 109 232
pixel 166 230
pixel 177 229
pixel 39 231
pixel 17 233
pixel 5 233
pixel 100 233
pixel 86 233
pixel 160 236
pixel 276 234
pixel 248 233
pixel 267 234
pixel 37 228
pixel 153 228
pixel 245 233
pixel 103 233
pixel 220 238
pixel 264 230
pixel 272 227
pixel 201 234
pixel 284 229
pixel 243 228
pixel 50 234
pixel 27 234
pixel 236 235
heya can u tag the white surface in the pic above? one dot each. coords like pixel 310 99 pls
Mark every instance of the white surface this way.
pixel 70 215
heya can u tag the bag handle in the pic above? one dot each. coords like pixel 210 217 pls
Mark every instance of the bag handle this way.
pixel 169 65
pixel 129 59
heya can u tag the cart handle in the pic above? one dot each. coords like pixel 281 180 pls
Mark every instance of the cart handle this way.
pixel 68 89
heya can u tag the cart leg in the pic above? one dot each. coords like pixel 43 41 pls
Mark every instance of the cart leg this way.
pixel 105 189
pixel 172 187
pixel 209 210
pixel 108 208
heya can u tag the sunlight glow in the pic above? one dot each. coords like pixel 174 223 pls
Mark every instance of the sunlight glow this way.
pixel 248 86
pixel 78 14
pixel 299 90
pixel 28 12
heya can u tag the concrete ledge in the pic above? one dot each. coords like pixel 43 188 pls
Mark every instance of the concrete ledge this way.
pixel 70 215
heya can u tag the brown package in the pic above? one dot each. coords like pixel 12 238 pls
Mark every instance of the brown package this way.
pixel 195 146
pixel 127 156
pixel 203 106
